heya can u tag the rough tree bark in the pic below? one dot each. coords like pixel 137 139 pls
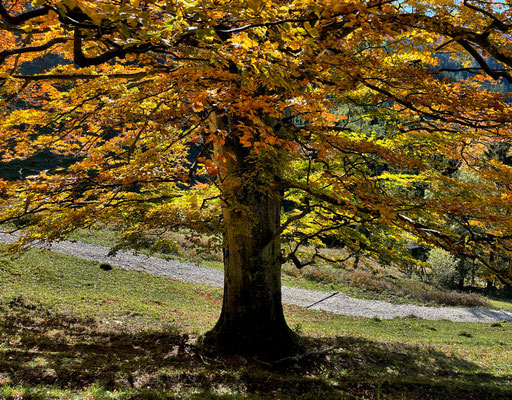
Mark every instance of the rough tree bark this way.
pixel 252 319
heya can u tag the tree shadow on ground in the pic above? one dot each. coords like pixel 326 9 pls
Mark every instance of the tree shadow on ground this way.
pixel 40 351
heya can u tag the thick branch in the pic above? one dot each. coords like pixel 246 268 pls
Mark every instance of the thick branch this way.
pixel 32 49
pixel 266 24
pixel 23 17
pixel 83 61
pixel 496 23
pixel 71 77
pixel 495 74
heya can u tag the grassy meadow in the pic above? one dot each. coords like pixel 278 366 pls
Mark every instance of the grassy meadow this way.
pixel 70 330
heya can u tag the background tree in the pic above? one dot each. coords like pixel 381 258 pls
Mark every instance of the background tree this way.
pixel 208 115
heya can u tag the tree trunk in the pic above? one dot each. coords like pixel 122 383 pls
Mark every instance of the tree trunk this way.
pixel 460 285
pixel 252 319
pixel 489 288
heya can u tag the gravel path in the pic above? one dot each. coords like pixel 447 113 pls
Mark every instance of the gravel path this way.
pixel 333 302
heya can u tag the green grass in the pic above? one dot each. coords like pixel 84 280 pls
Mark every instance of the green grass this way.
pixel 103 237
pixel 501 304
pixel 63 281
pixel 69 330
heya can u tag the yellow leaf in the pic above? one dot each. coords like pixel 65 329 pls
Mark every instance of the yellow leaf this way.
pixel 70 4
pixel 254 4
pixel 311 30
pixel 326 13
pixel 337 8
pixel 246 42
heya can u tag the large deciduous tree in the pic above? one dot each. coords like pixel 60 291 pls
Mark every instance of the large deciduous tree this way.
pixel 209 115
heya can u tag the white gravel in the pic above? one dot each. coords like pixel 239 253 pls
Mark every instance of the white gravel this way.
pixel 333 302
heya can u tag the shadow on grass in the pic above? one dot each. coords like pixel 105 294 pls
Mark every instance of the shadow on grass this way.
pixel 41 354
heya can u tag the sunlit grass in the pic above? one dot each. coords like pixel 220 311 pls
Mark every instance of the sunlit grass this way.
pixel 502 304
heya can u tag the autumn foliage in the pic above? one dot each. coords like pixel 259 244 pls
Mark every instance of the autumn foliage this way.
pixel 177 112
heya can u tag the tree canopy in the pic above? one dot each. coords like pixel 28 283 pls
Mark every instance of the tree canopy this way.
pixel 210 115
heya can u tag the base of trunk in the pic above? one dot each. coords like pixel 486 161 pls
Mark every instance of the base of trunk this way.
pixel 270 342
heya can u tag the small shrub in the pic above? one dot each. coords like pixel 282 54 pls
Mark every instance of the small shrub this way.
pixel 369 282
pixel 453 298
pixel 320 276
pixel 444 268
pixel 291 271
